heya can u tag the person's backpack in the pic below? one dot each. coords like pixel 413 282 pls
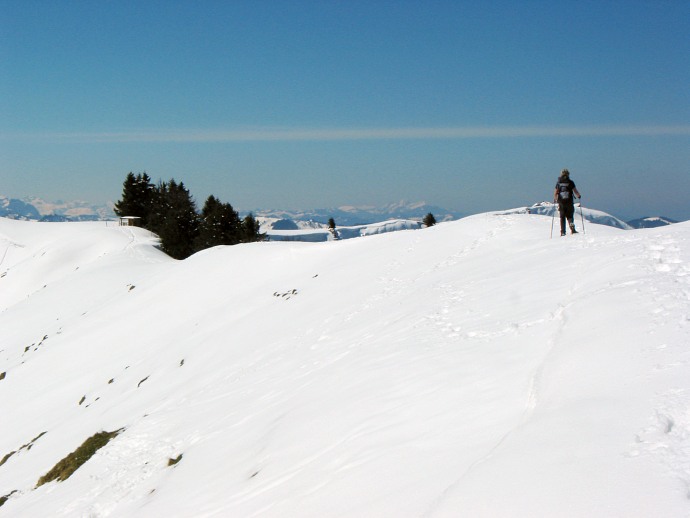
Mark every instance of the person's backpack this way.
pixel 565 189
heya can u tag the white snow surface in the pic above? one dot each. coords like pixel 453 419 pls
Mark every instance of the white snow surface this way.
pixel 474 368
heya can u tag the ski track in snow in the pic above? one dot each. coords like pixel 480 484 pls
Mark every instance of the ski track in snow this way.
pixel 7 243
pixel 557 318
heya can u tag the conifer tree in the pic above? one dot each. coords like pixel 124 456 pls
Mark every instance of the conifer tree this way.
pixel 137 197
pixel 429 220
pixel 175 219
pixel 219 225
pixel 331 228
pixel 123 206
pixel 251 229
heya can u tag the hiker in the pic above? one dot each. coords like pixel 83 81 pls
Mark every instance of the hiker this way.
pixel 563 195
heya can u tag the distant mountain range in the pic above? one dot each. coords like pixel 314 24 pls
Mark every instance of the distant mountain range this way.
pixel 602 218
pixel 36 209
pixel 546 208
pixel 651 222
pixel 40 210
pixel 351 215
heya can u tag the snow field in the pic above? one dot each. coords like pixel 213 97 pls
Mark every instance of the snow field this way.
pixel 474 368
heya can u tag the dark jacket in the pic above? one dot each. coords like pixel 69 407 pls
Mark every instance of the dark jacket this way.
pixel 564 189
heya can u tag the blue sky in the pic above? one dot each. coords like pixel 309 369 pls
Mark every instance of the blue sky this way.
pixel 469 105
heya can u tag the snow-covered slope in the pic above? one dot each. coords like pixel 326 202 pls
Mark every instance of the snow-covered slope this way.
pixel 474 368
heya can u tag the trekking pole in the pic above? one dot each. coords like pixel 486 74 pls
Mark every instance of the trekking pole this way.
pixel 582 216
pixel 552 218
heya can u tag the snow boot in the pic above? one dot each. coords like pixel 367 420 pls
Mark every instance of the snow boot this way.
pixel 572 229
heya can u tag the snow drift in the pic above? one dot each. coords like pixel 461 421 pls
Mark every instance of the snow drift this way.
pixel 474 368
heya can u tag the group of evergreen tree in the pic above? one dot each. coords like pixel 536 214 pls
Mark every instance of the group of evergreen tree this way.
pixel 168 210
